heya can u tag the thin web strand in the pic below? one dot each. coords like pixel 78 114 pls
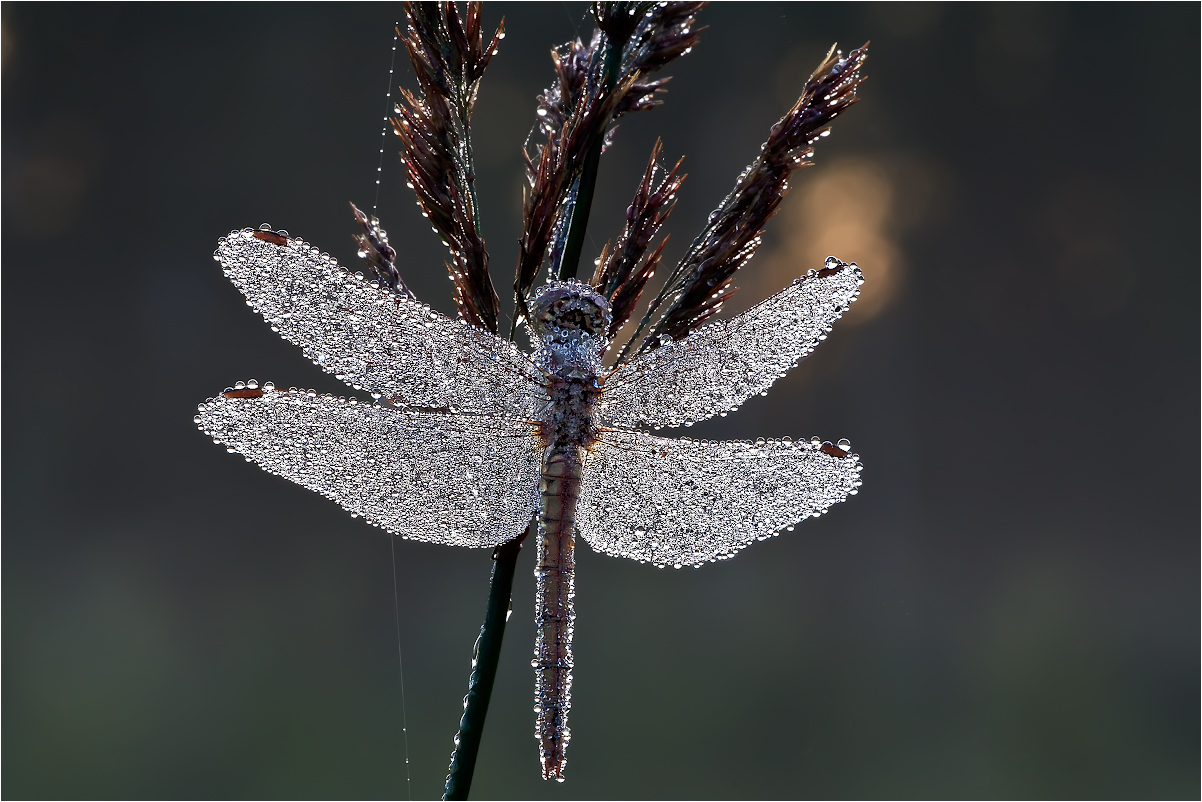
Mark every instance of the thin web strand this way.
pixel 396 603
pixel 384 130
pixel 400 661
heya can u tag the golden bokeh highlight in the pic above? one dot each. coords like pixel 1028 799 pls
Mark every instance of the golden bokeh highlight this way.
pixel 845 209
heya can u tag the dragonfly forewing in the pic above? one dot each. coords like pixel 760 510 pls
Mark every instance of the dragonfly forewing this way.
pixel 459 480
pixel 687 502
pixel 719 366
pixel 391 346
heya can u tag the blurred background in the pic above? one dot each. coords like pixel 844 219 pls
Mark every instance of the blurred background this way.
pixel 1010 608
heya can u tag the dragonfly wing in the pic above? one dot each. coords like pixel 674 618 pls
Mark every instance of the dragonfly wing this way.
pixel 391 346
pixel 722 364
pixel 686 502
pixel 460 480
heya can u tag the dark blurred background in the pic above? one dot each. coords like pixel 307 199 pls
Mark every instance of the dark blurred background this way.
pixel 1010 608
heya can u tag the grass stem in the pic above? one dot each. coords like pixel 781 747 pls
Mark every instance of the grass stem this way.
pixel 570 263
pixel 487 654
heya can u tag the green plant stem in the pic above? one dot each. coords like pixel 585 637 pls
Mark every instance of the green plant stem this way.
pixel 486 655
pixel 570 263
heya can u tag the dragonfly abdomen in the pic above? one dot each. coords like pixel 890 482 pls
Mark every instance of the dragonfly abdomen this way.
pixel 559 488
pixel 570 320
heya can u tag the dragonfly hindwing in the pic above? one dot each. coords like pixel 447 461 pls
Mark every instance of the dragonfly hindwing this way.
pixel 721 365
pixel 460 480
pixel 686 502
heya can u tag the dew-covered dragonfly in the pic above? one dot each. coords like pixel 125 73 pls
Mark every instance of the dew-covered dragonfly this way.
pixel 467 438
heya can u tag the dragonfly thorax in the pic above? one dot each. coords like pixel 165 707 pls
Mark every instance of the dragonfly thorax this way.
pixel 569 321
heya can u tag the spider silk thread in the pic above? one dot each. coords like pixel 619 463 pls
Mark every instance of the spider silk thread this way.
pixel 396 602
pixel 400 661
pixel 387 108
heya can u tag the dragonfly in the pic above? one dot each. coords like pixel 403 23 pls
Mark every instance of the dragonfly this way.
pixel 467 439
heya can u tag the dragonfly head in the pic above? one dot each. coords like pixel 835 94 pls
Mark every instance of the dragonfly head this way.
pixel 564 307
